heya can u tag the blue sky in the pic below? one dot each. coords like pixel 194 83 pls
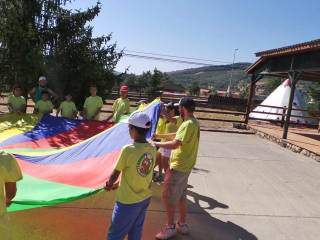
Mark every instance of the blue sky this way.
pixel 209 29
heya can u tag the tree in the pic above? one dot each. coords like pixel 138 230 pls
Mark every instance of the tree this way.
pixel 212 90
pixel 152 82
pixel 314 95
pixel 271 85
pixel 194 88
pixel 243 89
pixel 43 37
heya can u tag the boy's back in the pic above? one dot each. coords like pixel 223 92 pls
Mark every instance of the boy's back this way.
pixel 136 163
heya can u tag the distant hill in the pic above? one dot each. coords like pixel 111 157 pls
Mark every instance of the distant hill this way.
pixel 217 76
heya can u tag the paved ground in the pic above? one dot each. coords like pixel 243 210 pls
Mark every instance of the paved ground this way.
pixel 243 187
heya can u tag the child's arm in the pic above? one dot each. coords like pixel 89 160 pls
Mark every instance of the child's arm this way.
pixel 58 111
pixel 11 190
pixel 166 136
pixel 97 112
pixel 113 178
pixel 10 107
pixel 84 113
pixel 24 109
pixel 35 110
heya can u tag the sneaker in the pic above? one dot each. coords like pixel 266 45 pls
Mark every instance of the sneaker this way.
pixel 168 232
pixel 182 228
pixel 158 178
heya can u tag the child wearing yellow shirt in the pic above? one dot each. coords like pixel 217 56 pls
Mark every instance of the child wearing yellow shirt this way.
pixel 44 105
pixel 67 108
pixel 93 104
pixel 135 163
pixel 121 106
pixel 16 102
pixel 10 173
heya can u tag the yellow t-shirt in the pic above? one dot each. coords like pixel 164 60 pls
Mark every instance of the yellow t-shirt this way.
pixel 92 104
pixel 44 106
pixel 120 107
pixel 184 157
pixel 136 162
pixel 68 109
pixel 171 127
pixel 161 126
pixel 17 103
pixel 9 172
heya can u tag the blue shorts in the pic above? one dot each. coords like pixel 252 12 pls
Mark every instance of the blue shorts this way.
pixel 128 219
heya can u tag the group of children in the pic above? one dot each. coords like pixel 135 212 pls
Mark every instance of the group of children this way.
pixel 42 95
pixel 174 149
pixel 178 150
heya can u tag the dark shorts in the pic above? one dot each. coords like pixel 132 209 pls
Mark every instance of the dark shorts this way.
pixel 175 186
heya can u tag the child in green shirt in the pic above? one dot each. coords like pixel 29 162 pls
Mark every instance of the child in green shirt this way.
pixel 92 106
pixel 135 163
pixel 16 102
pixel 121 106
pixel 67 108
pixel 44 105
pixel 10 173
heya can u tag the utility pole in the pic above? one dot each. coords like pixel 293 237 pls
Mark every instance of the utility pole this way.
pixel 229 93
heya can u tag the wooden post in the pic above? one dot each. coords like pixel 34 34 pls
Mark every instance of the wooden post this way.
pixel 293 76
pixel 283 115
pixel 251 94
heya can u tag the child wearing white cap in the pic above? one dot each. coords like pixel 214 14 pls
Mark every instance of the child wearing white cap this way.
pixel 135 163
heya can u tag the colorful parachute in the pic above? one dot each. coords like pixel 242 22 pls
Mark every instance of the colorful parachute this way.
pixel 61 159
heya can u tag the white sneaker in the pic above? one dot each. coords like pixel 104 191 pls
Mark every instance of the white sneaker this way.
pixel 168 232
pixel 182 228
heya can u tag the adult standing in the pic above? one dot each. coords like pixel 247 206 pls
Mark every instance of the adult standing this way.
pixel 183 158
pixel 36 92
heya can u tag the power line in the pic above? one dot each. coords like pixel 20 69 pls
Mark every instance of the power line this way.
pixel 166 59
pixel 175 56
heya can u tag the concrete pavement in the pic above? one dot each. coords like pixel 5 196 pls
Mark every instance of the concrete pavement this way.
pixel 242 187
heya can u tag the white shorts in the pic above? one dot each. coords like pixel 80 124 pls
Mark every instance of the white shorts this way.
pixel 165 152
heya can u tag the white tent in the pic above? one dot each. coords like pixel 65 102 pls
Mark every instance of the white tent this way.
pixel 280 98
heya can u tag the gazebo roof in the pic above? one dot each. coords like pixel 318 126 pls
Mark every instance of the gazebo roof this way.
pixel 303 58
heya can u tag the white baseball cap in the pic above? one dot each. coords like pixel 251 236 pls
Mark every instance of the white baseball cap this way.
pixel 41 78
pixel 140 119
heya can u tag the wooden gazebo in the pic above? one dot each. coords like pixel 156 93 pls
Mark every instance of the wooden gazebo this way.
pixel 296 62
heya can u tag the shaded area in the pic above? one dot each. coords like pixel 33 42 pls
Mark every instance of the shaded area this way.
pixel 309 135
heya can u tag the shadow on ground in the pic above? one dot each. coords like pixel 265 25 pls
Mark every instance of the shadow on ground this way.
pixel 88 219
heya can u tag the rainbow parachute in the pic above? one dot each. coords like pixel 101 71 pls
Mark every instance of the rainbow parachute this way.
pixel 63 160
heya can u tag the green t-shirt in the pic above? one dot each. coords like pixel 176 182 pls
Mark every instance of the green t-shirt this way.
pixel 68 109
pixel 9 172
pixel 184 157
pixel 91 105
pixel 120 107
pixel 171 127
pixel 136 162
pixel 17 104
pixel 44 106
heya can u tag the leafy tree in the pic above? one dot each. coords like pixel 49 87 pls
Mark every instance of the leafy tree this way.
pixel 314 95
pixel 212 89
pixel 243 89
pixel 271 85
pixel 43 37
pixel 194 88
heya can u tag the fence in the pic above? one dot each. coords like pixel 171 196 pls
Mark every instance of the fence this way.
pixel 283 112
